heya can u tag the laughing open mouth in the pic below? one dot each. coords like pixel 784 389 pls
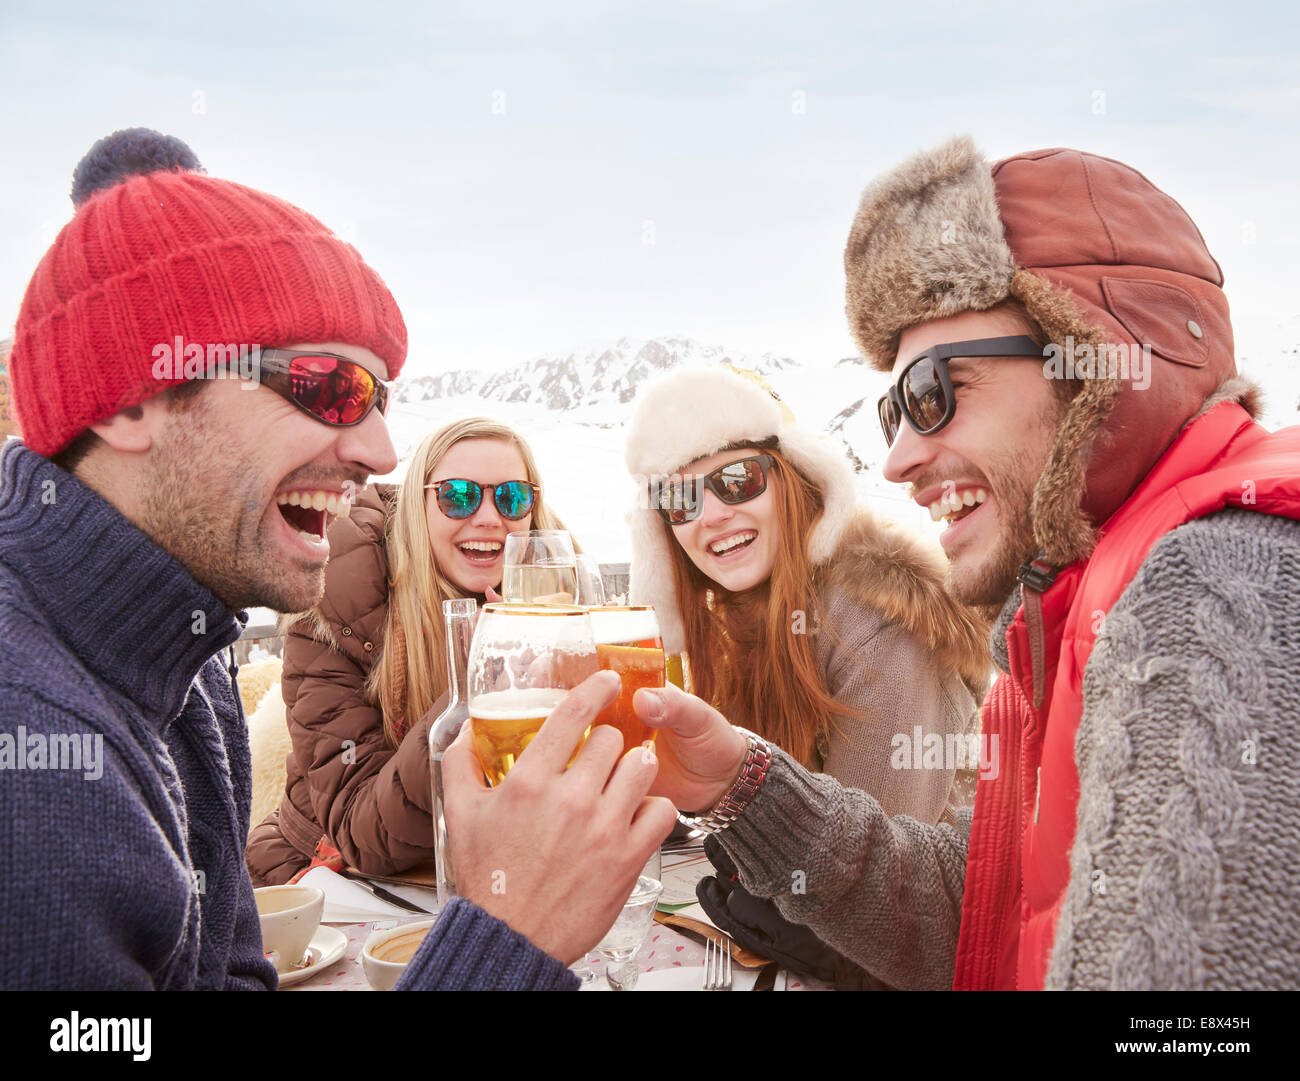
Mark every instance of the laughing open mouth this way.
pixel 733 543
pixel 953 508
pixel 308 511
pixel 480 551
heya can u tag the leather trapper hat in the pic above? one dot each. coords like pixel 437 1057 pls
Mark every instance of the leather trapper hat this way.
pixel 1099 257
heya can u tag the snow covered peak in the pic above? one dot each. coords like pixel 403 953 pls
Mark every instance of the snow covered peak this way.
pixel 582 382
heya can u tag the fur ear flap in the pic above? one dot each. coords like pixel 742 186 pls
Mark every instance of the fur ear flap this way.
pixel 1062 532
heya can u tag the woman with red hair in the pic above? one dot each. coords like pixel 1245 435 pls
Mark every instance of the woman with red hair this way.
pixel 802 616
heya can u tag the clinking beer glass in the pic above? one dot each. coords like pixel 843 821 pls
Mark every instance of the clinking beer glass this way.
pixel 524 659
pixel 628 642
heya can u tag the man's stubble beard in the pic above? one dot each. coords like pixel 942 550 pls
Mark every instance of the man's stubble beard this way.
pixel 1012 476
pixel 187 516
pixel 992 582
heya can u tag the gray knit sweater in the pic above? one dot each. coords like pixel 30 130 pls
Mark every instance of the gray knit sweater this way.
pixel 1186 869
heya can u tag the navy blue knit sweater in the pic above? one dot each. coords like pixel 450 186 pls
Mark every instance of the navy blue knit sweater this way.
pixel 124 769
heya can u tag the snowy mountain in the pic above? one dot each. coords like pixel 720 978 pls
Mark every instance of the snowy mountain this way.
pixel 599 384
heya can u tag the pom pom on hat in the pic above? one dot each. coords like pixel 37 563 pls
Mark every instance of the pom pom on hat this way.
pixel 129 152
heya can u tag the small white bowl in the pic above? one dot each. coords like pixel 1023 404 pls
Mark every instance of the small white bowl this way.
pixel 386 954
pixel 289 916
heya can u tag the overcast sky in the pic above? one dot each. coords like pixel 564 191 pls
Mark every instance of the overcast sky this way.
pixel 536 177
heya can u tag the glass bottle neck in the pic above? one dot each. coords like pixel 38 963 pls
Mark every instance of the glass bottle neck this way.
pixel 459 617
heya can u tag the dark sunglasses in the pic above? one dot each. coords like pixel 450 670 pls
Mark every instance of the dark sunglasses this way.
pixel 513 499
pixel 680 499
pixel 924 394
pixel 333 389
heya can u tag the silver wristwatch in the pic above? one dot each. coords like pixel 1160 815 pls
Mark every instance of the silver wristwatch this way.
pixel 758 761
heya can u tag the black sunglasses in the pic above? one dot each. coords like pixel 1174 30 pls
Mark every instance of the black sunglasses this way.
pixel 513 499
pixel 332 389
pixel 680 499
pixel 924 394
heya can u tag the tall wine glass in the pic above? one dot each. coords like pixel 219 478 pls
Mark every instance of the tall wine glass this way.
pixel 591 584
pixel 540 568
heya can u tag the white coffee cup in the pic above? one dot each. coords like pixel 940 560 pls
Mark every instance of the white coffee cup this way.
pixel 386 954
pixel 289 916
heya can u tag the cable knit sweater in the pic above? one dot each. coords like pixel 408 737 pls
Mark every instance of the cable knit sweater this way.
pixel 127 871
pixel 1184 873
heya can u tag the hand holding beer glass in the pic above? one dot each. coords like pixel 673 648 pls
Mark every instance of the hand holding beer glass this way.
pixel 524 659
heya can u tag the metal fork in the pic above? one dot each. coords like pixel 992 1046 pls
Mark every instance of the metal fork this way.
pixel 717 964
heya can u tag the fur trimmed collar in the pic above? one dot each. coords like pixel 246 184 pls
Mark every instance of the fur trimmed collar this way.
pixel 898 574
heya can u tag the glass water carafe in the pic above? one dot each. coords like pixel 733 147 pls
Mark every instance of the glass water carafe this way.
pixel 458 617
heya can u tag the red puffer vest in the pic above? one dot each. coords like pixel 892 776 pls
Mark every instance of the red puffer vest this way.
pixel 1018 864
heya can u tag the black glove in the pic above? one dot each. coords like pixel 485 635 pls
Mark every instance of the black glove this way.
pixel 757 925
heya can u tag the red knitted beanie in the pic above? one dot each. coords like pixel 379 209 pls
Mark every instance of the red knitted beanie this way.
pixel 178 254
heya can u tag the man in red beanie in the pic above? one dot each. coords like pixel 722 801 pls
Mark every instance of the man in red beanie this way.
pixel 199 375
pixel 1065 396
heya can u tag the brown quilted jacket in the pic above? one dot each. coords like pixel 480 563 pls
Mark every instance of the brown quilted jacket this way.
pixel 345 781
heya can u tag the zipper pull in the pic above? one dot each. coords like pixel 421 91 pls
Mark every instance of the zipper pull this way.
pixel 1036 577
pixel 1038 791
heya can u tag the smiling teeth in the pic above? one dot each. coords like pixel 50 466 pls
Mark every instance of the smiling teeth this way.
pixel 731 542
pixel 951 504
pixel 481 546
pixel 335 503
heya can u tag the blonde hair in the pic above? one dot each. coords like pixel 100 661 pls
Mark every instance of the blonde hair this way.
pixel 411 672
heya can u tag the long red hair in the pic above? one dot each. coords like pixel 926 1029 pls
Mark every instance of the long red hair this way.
pixel 751 654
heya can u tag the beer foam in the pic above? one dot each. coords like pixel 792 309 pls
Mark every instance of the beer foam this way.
pixel 523 704
pixel 615 628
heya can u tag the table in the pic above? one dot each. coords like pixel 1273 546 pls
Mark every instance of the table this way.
pixel 664 947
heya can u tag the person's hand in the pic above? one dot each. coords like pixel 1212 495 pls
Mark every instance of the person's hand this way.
pixel 700 753
pixel 555 852
pixel 491 596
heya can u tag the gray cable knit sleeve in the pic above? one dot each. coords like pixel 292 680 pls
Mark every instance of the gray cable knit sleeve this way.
pixel 886 893
pixel 1186 868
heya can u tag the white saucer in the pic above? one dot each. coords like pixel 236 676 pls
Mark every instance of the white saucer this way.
pixel 327 945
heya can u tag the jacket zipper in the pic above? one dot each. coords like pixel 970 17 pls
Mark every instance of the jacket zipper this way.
pixel 1035 577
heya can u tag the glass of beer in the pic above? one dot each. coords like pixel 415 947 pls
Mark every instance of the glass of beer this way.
pixel 627 642
pixel 540 568
pixel 523 660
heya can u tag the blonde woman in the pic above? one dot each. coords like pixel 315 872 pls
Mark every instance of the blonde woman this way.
pixel 365 671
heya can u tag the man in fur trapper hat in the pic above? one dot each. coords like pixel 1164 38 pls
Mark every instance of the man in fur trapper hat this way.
pixel 1065 395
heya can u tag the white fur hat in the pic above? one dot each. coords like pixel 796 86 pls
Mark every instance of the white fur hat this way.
pixel 691 413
